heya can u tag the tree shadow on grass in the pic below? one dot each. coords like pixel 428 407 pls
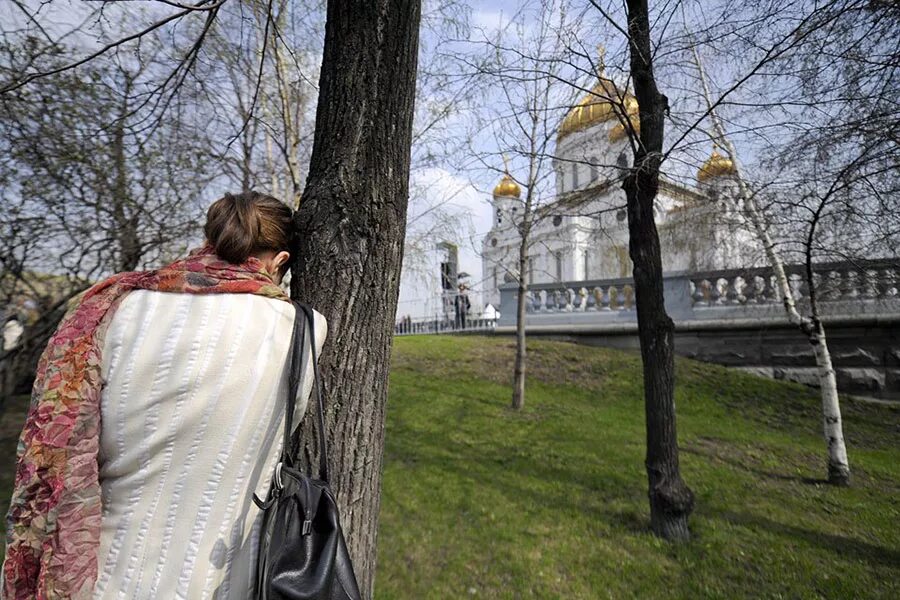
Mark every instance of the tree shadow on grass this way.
pixel 746 466
pixel 614 496
pixel 530 481
pixel 630 521
pixel 838 544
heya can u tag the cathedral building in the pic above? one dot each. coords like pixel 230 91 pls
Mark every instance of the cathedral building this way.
pixel 582 234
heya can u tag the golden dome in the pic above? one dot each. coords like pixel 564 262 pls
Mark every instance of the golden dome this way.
pixel 507 187
pixel 605 102
pixel 715 166
pixel 619 133
pixel 600 105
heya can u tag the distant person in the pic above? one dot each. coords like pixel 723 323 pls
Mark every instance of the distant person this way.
pixel 163 394
pixel 12 332
pixel 462 305
pixel 12 337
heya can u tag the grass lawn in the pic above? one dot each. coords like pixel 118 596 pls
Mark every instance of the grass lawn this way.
pixel 550 502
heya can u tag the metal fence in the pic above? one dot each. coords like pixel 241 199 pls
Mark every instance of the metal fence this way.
pixel 437 324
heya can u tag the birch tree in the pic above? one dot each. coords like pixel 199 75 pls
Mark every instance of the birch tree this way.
pixel 812 327
pixel 831 161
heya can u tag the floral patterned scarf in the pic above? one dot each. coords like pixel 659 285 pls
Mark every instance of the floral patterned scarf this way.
pixel 53 523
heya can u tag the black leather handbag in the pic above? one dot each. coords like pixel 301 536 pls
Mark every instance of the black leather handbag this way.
pixel 302 552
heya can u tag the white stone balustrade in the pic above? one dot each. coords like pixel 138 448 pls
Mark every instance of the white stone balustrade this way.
pixel 872 280
pixel 585 298
pixel 853 289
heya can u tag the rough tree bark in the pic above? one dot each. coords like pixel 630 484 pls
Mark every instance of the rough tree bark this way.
pixel 671 501
pixel 351 225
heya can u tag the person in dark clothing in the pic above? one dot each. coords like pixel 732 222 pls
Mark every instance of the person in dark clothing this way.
pixel 462 306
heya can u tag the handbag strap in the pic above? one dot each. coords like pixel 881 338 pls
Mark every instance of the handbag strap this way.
pixel 303 313
pixel 295 367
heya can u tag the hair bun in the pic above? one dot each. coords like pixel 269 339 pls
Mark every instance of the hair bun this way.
pixel 239 225
pixel 232 228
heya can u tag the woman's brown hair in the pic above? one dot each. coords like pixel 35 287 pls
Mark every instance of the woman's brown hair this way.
pixel 240 225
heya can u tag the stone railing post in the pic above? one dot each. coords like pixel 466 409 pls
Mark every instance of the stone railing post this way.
pixel 677 296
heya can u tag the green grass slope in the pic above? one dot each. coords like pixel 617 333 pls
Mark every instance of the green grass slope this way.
pixel 551 502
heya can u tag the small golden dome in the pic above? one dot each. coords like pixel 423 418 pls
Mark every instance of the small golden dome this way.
pixel 716 165
pixel 507 187
pixel 619 132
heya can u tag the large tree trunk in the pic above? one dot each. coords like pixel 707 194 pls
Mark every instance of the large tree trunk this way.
pixel 351 226
pixel 671 501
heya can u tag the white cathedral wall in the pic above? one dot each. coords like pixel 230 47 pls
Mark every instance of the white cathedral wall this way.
pixel 687 244
pixel 690 240
pixel 586 156
pixel 693 239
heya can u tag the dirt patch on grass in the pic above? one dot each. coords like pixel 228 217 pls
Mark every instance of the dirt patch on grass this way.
pixel 547 362
pixel 757 459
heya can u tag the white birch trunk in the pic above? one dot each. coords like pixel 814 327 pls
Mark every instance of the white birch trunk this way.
pixel 838 464
pixel 291 133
